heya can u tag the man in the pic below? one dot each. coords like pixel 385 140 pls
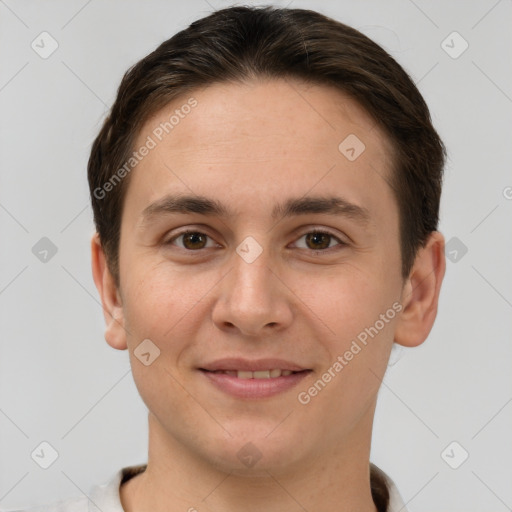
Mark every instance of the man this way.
pixel 266 195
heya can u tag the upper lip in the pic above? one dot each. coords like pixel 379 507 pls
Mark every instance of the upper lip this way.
pixel 234 363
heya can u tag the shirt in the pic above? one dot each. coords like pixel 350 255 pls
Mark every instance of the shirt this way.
pixel 106 497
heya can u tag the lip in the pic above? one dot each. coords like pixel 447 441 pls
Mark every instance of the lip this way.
pixel 254 388
pixel 236 363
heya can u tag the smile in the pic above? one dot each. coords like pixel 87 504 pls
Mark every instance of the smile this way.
pixel 262 374
pixel 254 384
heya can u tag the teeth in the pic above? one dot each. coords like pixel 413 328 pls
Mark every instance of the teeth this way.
pixel 261 374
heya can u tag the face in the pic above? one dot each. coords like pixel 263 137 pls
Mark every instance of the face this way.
pixel 291 262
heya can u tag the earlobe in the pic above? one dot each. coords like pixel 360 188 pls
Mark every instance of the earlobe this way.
pixel 420 294
pixel 115 333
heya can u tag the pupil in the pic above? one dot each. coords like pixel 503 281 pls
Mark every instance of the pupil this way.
pixel 195 238
pixel 316 237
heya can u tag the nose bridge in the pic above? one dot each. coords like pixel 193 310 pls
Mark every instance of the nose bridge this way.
pixel 252 280
pixel 251 296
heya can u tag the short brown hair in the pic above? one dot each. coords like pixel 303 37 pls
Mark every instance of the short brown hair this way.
pixel 239 43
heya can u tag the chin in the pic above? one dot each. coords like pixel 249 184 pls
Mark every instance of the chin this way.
pixel 253 452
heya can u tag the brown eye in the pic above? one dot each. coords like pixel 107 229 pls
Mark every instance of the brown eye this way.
pixel 320 241
pixel 194 240
pixel 190 240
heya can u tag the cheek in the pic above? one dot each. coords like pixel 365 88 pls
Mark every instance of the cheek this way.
pixel 353 299
pixel 158 299
pixel 169 306
pixel 361 311
pixel 347 386
pixel 161 305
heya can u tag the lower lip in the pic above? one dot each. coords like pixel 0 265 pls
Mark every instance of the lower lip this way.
pixel 254 388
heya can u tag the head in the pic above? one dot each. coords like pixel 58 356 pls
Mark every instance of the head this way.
pixel 252 120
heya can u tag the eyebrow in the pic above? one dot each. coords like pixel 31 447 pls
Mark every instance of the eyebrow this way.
pixel 202 205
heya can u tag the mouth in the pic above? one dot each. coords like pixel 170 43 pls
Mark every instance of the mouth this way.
pixel 260 374
pixel 251 380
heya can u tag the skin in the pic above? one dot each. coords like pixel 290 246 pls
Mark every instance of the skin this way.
pixel 252 146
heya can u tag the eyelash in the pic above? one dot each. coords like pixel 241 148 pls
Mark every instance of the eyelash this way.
pixel 341 243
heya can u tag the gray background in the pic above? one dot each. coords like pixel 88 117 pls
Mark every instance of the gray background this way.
pixel 59 380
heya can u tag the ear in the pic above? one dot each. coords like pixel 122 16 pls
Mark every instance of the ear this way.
pixel 115 333
pixel 420 294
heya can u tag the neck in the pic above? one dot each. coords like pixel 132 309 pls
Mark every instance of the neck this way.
pixel 176 480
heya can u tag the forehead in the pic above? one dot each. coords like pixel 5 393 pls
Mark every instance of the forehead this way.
pixel 265 108
pixel 261 135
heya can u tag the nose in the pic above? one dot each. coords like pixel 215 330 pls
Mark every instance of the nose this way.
pixel 253 299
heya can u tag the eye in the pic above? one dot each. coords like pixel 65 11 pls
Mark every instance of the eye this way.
pixel 191 240
pixel 319 240
pixel 316 240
